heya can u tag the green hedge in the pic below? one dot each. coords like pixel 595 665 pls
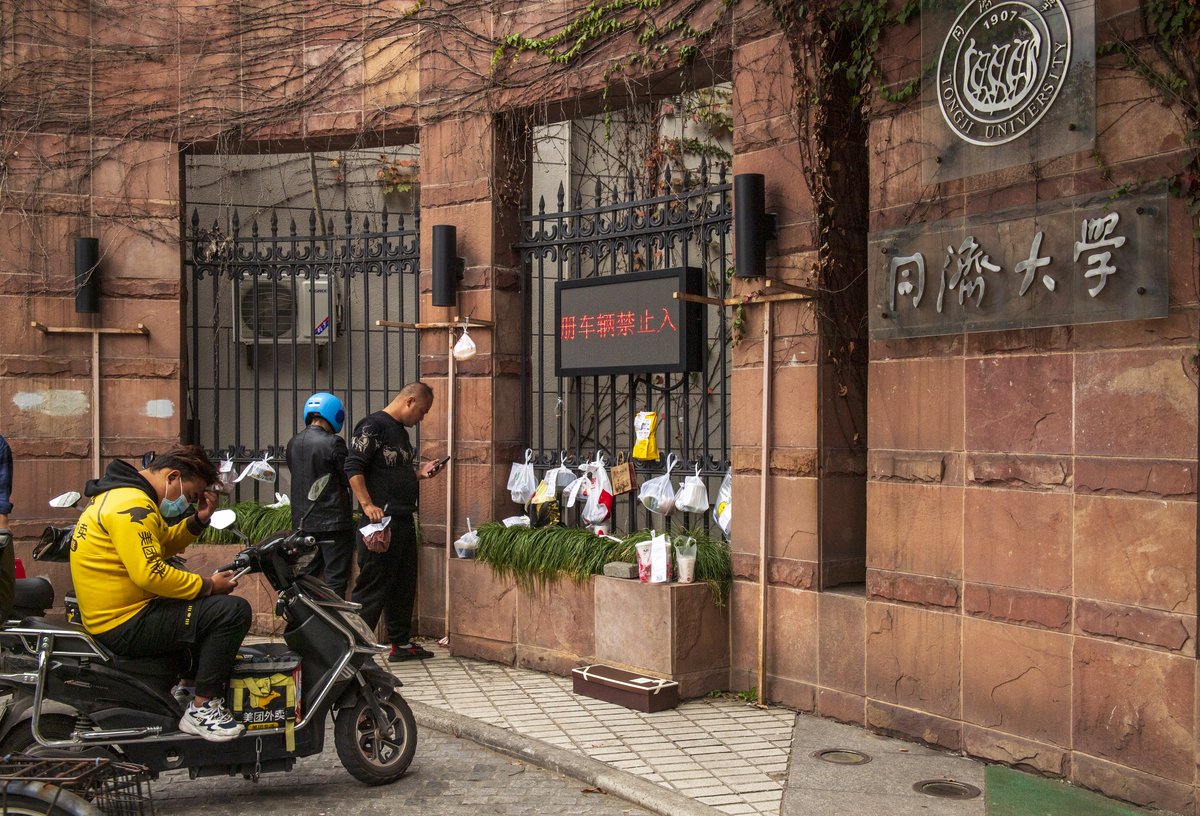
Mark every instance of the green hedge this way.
pixel 539 556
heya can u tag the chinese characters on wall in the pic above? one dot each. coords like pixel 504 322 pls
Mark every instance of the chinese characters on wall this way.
pixel 1083 260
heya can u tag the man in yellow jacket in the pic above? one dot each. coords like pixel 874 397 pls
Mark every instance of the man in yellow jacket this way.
pixel 136 603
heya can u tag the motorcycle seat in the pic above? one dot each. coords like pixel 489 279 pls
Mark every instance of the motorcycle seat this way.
pixel 167 667
pixel 35 594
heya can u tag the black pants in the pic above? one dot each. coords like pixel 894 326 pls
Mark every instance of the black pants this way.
pixel 335 558
pixel 209 629
pixel 387 581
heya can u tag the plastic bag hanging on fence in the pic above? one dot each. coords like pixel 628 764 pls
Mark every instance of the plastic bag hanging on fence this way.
pixel 259 470
pixel 521 481
pixel 599 505
pixel 464 349
pixel 722 509
pixel 225 477
pixel 658 494
pixel 692 496
pixel 561 476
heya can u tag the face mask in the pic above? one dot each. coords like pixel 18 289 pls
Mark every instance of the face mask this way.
pixel 174 507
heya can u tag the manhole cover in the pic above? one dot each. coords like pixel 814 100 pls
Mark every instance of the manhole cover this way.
pixel 946 789
pixel 842 756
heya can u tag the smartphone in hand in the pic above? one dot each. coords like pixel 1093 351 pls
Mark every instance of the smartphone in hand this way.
pixel 439 464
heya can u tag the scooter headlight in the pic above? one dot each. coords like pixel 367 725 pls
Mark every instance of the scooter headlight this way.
pixel 359 626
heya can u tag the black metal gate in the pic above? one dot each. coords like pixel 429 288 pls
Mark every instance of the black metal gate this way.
pixel 274 318
pixel 684 221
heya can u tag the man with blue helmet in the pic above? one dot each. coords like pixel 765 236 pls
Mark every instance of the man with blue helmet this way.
pixel 311 454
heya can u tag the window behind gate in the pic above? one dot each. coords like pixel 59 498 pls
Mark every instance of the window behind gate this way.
pixel 610 230
pixel 279 313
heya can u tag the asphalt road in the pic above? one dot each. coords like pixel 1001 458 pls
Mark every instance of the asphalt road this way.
pixel 448 776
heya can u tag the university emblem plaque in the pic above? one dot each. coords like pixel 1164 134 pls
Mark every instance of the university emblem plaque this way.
pixel 1002 64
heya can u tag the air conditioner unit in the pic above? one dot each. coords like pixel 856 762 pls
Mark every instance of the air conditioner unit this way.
pixel 298 309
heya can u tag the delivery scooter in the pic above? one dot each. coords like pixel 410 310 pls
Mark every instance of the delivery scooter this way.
pixel 70 692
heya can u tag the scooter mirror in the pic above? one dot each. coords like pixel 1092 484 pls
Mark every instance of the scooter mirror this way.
pixel 67 499
pixel 318 487
pixel 222 519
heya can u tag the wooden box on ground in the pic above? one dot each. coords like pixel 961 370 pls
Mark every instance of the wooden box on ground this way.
pixel 636 691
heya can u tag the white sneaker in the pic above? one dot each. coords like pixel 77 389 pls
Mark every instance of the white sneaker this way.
pixel 211 721
pixel 183 694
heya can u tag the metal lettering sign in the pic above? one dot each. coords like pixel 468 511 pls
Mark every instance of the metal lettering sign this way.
pixel 1087 259
pixel 629 324
pixel 1014 83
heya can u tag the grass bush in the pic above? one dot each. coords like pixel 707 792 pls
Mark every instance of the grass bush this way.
pixel 536 557
pixel 255 521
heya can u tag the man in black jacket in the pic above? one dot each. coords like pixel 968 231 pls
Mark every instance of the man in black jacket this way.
pixel 382 471
pixel 312 453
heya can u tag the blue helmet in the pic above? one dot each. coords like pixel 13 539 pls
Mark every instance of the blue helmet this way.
pixel 328 407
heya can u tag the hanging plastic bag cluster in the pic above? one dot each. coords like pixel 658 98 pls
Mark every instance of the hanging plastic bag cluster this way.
pixel 658 494
pixel 521 482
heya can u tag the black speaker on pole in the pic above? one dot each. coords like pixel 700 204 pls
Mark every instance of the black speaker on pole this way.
pixel 753 226
pixel 87 275
pixel 447 266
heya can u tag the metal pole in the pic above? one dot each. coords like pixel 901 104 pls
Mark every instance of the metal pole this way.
pixel 450 364
pixel 763 481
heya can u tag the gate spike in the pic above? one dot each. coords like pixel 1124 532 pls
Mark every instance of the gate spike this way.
pixel 254 227
pixel 541 205
pixel 399 218
pixel 236 221
pixel 667 177
pixel 721 175
pixel 524 206
pixel 195 219
pixel 366 224
pixel 292 227
pixel 383 217
pixel 599 192
pixel 312 222
pixel 349 222
pixel 577 201
pixel 704 171
pixel 562 196
pixel 274 222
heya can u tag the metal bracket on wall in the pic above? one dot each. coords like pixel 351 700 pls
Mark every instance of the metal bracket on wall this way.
pixel 456 323
pixel 760 296
pixel 95 333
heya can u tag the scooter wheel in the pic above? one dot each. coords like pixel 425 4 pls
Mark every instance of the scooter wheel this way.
pixel 370 757
pixel 43 799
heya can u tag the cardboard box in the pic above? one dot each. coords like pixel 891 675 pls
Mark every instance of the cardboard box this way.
pixel 636 691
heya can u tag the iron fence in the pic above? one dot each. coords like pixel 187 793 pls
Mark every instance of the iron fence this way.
pixel 273 318
pixel 685 219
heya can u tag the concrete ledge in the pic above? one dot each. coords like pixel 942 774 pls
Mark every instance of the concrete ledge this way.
pixel 622 784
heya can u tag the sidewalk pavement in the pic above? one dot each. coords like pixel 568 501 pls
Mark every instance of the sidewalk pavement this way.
pixel 708 756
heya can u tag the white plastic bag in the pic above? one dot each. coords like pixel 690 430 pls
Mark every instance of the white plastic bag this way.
pixel 692 496
pixel 561 476
pixel 465 544
pixel 722 509
pixel 521 481
pixel 599 491
pixel 658 494
pixel 225 477
pixel 464 349
pixel 260 470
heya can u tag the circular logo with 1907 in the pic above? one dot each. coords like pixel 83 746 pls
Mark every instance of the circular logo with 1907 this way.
pixel 1001 67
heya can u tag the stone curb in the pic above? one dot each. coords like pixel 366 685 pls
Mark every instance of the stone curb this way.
pixel 622 784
